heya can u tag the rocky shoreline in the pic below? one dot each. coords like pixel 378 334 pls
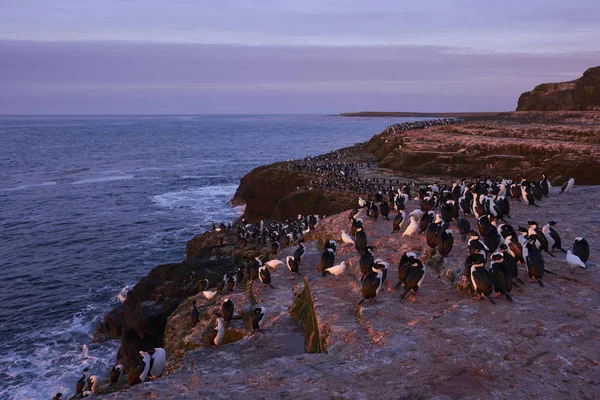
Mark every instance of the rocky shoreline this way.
pixel 311 316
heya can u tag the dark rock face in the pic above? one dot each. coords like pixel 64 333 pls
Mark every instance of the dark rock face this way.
pixel 273 192
pixel 582 94
pixel 263 187
pixel 141 320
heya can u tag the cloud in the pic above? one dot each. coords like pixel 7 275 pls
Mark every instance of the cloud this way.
pixel 144 77
pixel 511 25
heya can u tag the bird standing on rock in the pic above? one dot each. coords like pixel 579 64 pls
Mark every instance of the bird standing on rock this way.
pixel 265 276
pixel 258 317
pixel 292 265
pixel 195 314
pixel 227 308
pixel 414 277
pixel 413 227
pixel 403 267
pixel 327 260
pixel 216 338
pixel 371 284
pixel 159 360
pixel 81 383
pixel 360 242
pixel 501 280
pixel 567 186
pixel 347 239
pixel 534 262
pixel 336 269
pixel 300 251
pixel 481 279
pixel 401 216
pixel 581 249
pixel 116 373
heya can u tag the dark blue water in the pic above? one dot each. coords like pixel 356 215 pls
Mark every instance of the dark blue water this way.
pixel 88 205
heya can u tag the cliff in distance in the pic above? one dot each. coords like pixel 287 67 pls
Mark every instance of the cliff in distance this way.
pixel 582 94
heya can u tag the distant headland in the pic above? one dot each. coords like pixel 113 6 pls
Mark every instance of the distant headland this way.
pixel 419 114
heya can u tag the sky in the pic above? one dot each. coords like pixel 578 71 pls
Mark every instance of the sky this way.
pixel 280 56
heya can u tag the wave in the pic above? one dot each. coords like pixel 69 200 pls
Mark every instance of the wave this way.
pixel 122 295
pixel 54 360
pixel 28 186
pixel 205 199
pixel 103 179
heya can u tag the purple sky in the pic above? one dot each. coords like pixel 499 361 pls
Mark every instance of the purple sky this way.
pixel 117 56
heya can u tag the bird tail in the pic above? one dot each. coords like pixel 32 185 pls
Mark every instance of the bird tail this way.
pixel 519 280
pixel 490 299
pixel 398 285
pixel 561 249
pixel 404 294
pixel 541 283
pixel 508 297
pixel 546 270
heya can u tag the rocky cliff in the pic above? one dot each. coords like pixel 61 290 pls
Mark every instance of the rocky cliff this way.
pixel 526 144
pixel 475 340
pixel 437 345
pixel 582 94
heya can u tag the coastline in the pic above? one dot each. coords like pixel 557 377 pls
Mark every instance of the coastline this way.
pixel 422 114
pixel 293 190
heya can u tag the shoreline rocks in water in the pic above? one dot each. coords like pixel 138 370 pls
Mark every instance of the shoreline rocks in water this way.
pixel 358 340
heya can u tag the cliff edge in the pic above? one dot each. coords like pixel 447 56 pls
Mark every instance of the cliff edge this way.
pixel 582 94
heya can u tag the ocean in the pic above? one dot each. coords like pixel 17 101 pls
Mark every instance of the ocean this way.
pixel 89 204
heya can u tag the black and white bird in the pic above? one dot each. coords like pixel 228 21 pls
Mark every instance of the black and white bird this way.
pixel 534 262
pixel 371 285
pixel 300 251
pixel 501 280
pixel 227 308
pixel 159 360
pixel 567 186
pixel 360 240
pixel 464 227
pixel 231 282
pixel 218 334
pixel 265 276
pixel 93 383
pixel 292 265
pixel 475 243
pixel 581 249
pixel 403 267
pixel 115 373
pixel 147 363
pixel 527 196
pixel 258 317
pixel 481 279
pixel 401 216
pixel 82 383
pixel 327 260
pixel 510 263
pixel 414 277
pixel 445 242
pixel 552 236
pixel 366 261
pixel 195 314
